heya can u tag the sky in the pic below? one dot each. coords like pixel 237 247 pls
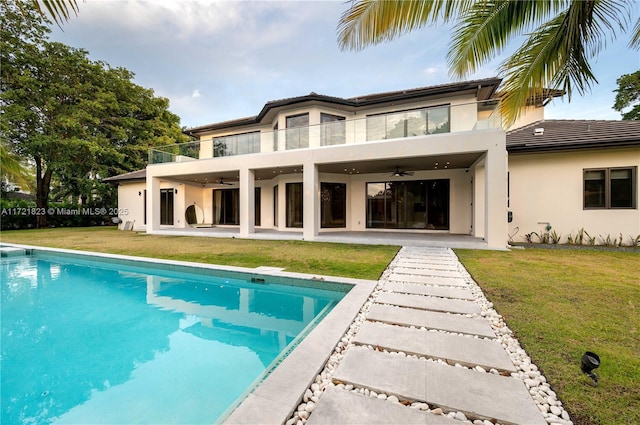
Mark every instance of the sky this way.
pixel 222 60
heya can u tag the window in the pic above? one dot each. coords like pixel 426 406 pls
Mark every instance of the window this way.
pixel 297 131
pixel 333 205
pixel 275 206
pixel 610 188
pixel 294 204
pixel 166 207
pixel 332 130
pixel 256 207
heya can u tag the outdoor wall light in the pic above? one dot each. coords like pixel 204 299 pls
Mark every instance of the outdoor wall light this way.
pixel 139 193
pixel 176 191
pixel 589 362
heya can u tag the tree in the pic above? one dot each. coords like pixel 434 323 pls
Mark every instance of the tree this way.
pixel 561 37
pixel 72 118
pixel 628 96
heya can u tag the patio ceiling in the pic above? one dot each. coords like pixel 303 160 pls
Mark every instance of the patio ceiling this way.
pixel 388 165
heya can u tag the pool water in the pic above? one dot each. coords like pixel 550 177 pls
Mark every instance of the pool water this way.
pixel 89 342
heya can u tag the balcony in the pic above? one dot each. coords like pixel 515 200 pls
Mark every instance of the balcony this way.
pixel 387 126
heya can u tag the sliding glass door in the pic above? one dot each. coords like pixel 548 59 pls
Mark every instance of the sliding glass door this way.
pixel 418 204
pixel 226 206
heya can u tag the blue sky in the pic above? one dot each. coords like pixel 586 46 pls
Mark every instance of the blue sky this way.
pixel 217 61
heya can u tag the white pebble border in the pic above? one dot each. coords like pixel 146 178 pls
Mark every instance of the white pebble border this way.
pixel 536 383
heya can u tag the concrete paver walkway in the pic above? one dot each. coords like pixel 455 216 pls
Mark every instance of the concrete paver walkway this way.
pixel 426 320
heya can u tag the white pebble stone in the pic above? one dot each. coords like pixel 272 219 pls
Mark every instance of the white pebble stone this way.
pixel 315 387
pixel 348 387
pixel 437 411
pixel 393 399
pixel 565 415
pixel 555 410
pixel 460 416
pixel 382 396
pixel 291 421
pixel 373 394
pixel 480 369
pixel 310 407
pixel 304 414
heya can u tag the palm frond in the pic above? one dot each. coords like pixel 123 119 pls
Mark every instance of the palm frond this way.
pixel 556 56
pixel 635 37
pixel 59 10
pixel 488 26
pixel 369 22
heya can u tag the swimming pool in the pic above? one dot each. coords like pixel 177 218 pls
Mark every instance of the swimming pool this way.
pixel 107 341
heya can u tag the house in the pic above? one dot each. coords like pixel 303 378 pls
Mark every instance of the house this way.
pixel 427 160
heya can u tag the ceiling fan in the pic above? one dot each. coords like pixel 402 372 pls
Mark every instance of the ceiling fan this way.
pixel 401 173
pixel 221 182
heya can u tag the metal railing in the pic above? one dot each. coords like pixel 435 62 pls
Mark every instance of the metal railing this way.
pixel 385 126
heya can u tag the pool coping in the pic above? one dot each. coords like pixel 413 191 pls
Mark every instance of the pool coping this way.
pixel 275 399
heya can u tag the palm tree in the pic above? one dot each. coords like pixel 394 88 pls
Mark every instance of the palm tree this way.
pixel 13 170
pixel 561 37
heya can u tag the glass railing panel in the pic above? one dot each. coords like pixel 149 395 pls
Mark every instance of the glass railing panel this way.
pixel 438 120
pixel 333 133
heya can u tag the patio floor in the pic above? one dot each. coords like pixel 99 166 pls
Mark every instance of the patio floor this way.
pixel 441 240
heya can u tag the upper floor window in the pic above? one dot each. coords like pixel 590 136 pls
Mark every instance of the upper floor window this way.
pixel 408 123
pixel 606 188
pixel 332 130
pixel 297 135
pixel 237 144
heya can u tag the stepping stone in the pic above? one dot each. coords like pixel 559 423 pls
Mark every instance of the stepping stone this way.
pixel 427 272
pixel 434 265
pixel 478 395
pixel 465 350
pixel 430 320
pixel 435 291
pixel 429 303
pixel 429 280
pixel 338 406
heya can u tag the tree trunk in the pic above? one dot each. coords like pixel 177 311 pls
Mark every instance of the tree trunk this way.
pixel 43 182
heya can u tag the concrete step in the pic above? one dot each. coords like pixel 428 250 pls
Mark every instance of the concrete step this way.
pixel 429 303
pixel 478 395
pixel 430 320
pixel 428 272
pixel 435 291
pixel 466 350
pixel 338 406
pixel 429 280
pixel 433 264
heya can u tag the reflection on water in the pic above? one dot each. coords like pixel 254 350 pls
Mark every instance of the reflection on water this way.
pixel 86 343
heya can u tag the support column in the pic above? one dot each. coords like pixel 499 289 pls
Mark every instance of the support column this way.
pixel 247 203
pixel 311 201
pixel 153 204
pixel 495 219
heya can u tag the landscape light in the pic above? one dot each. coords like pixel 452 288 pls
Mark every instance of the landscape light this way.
pixel 590 361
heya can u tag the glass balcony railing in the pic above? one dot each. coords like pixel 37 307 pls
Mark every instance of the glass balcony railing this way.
pixel 387 126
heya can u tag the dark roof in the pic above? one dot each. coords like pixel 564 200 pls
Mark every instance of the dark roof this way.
pixel 484 89
pixel 132 176
pixel 555 135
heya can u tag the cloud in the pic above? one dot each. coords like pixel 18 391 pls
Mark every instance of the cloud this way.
pixel 196 94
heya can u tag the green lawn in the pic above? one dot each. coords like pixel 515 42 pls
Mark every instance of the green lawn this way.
pixel 357 261
pixel 561 303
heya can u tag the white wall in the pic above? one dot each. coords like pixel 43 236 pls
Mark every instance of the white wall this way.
pixel 132 203
pixel 548 188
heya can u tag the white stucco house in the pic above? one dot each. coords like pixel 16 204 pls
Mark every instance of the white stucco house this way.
pixel 427 160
